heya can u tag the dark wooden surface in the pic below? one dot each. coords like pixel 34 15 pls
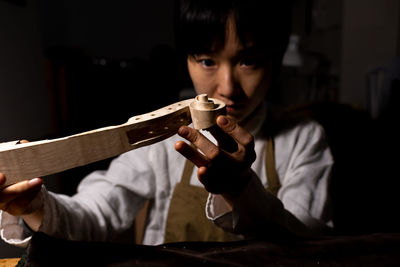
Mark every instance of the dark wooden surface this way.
pixel 365 250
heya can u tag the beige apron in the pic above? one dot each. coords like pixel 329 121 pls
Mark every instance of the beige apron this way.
pixel 186 219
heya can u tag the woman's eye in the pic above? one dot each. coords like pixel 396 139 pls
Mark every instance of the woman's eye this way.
pixel 248 62
pixel 206 62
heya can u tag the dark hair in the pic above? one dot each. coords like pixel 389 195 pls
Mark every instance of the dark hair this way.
pixel 200 25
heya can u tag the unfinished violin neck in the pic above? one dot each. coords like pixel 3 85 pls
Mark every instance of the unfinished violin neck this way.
pixel 37 159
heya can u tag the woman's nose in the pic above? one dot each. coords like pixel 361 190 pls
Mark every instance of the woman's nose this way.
pixel 226 81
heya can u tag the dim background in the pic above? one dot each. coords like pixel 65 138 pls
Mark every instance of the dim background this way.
pixel 71 66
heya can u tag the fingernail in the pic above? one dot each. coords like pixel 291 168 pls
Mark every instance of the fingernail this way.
pixel 183 132
pixel 35 181
pixel 222 121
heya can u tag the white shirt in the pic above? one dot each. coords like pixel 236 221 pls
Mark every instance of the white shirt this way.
pixel 107 201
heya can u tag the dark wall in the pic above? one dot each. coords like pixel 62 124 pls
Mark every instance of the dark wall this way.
pixel 118 29
pixel 24 99
pixel 107 61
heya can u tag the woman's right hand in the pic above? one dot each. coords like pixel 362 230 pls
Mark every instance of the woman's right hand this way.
pixel 21 198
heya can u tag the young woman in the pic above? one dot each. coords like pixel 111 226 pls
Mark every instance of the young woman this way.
pixel 248 177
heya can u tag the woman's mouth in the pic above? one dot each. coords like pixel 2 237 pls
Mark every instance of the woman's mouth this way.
pixel 230 109
pixel 233 108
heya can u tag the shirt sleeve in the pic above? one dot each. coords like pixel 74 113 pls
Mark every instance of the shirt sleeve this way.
pixel 105 205
pixel 302 203
pixel 255 213
pixel 103 209
pixel 306 179
pixel 13 230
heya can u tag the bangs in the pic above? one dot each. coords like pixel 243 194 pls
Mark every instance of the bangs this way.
pixel 201 30
pixel 201 25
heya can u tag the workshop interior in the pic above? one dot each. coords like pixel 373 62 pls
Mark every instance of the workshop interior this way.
pixel 73 66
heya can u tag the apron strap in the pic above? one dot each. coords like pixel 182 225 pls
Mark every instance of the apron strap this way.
pixel 272 176
pixel 187 172
pixel 140 222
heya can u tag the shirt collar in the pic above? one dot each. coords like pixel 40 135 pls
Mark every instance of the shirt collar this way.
pixel 255 123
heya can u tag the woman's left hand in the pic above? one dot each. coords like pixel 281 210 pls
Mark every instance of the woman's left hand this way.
pixel 224 168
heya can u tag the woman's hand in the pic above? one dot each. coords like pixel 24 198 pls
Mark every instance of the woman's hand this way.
pixel 224 168
pixel 18 199
pixel 23 199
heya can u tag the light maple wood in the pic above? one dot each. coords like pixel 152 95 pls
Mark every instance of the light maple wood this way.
pixel 205 111
pixel 37 159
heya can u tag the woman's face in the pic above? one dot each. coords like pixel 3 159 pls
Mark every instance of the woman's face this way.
pixel 237 75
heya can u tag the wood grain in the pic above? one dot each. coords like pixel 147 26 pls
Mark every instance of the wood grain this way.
pixel 37 159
